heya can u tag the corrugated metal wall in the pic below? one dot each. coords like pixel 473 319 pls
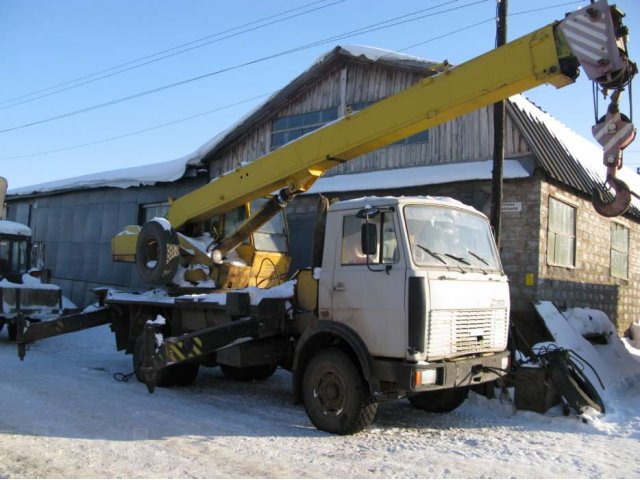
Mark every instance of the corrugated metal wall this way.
pixel 77 227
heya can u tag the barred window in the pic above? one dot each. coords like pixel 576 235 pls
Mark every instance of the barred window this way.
pixel 561 234
pixel 619 251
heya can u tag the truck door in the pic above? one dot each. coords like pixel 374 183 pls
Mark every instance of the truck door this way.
pixel 368 291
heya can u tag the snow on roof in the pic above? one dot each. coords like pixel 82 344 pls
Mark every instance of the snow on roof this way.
pixel 376 54
pixel 13 228
pixel 417 176
pixel 586 153
pixel 122 178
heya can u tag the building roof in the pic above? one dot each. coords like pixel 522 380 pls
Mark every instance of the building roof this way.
pixel 175 169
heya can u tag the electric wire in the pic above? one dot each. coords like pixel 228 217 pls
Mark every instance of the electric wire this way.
pixel 86 79
pixel 144 130
pixel 240 102
pixel 352 33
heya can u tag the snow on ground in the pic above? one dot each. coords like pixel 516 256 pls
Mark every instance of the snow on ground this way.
pixel 63 415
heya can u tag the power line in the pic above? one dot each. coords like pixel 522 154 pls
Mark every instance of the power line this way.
pixel 368 29
pixel 217 109
pixel 487 20
pixel 143 130
pixel 119 68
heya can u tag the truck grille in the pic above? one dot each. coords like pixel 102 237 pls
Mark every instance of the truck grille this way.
pixel 459 332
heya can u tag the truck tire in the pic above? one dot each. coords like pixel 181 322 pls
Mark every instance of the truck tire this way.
pixel 335 394
pixel 247 374
pixel 439 401
pixel 157 254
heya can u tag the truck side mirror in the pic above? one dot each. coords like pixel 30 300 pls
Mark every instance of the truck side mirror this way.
pixel 369 239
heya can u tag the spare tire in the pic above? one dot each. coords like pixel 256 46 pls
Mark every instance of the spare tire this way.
pixel 157 253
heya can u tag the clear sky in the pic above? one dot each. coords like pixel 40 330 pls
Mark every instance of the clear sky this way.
pixel 46 44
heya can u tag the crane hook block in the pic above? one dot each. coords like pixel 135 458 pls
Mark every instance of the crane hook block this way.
pixel 614 132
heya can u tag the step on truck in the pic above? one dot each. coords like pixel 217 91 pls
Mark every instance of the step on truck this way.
pixel 406 297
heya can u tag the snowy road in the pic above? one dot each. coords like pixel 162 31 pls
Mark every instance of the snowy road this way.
pixel 63 415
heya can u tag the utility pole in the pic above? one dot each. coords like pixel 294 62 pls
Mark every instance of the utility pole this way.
pixel 498 131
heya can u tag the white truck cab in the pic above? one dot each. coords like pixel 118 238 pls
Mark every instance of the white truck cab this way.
pixel 419 280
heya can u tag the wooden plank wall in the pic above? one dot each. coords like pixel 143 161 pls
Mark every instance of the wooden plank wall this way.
pixel 466 138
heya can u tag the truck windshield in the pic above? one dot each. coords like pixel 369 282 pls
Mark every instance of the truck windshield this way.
pixel 13 257
pixel 450 237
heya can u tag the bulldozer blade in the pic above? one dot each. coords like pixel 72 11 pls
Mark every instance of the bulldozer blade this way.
pixel 620 203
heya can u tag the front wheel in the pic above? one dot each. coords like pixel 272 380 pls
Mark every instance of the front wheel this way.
pixel 336 396
pixel 439 401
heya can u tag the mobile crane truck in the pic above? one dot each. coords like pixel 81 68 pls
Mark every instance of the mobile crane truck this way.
pixel 388 313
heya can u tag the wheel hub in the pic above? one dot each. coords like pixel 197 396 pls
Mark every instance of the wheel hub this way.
pixel 330 393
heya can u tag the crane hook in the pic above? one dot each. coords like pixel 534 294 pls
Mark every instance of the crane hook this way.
pixel 620 203
pixel 614 132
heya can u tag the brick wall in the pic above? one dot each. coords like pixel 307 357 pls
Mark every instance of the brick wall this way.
pixel 590 283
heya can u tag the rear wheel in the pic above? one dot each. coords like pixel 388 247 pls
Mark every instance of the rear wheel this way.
pixel 440 401
pixel 247 374
pixel 336 396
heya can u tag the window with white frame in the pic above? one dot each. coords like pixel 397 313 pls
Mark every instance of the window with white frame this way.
pixel 619 251
pixel 561 234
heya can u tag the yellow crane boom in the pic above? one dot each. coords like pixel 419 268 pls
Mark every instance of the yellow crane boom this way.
pixel 551 55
